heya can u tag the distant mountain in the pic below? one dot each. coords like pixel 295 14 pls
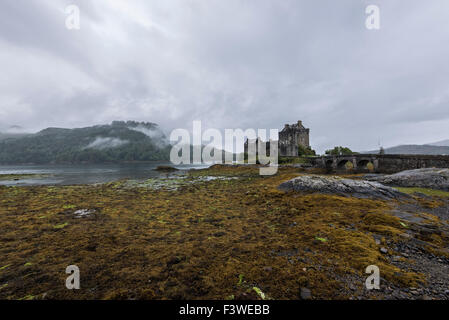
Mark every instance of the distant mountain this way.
pixel 444 143
pixel 415 149
pixel 119 141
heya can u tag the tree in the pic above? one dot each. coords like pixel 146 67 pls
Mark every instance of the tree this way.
pixel 382 150
pixel 305 151
pixel 340 151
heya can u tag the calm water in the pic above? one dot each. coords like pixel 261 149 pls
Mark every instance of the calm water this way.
pixel 88 173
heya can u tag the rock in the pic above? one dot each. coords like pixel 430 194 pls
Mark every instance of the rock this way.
pixel 174 260
pixel 219 234
pixel 305 294
pixel 343 187
pixel 83 213
pixel 434 178
pixel 267 269
pixel 166 168
pixel 383 250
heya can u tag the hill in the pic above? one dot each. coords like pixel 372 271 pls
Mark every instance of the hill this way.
pixel 444 143
pixel 415 149
pixel 119 141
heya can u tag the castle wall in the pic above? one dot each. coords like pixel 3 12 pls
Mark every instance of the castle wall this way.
pixel 289 139
pixel 292 136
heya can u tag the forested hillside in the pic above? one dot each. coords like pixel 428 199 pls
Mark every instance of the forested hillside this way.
pixel 119 141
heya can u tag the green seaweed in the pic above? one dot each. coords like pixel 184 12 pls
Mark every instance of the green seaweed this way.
pixel 60 226
pixel 259 293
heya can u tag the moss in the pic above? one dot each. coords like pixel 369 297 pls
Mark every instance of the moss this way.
pixel 426 191
pixel 193 242
pixel 61 226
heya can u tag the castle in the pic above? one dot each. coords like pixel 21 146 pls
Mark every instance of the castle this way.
pixel 290 138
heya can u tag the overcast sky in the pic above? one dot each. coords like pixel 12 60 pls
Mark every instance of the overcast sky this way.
pixel 232 64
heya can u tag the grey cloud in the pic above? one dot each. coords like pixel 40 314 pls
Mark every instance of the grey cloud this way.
pixel 231 64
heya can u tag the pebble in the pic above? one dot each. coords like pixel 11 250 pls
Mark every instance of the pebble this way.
pixel 383 250
pixel 305 294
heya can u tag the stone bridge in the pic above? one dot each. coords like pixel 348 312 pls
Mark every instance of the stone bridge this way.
pixel 386 163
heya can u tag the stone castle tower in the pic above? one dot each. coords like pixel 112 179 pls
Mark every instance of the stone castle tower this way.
pixel 291 137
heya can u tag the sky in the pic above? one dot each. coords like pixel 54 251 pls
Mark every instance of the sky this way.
pixel 231 64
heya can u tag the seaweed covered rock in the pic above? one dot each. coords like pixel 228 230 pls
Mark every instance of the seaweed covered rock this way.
pixel 166 168
pixel 433 178
pixel 338 186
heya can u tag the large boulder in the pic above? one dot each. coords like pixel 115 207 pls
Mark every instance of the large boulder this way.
pixel 433 178
pixel 342 187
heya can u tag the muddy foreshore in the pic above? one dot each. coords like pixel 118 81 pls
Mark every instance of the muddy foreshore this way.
pixel 218 233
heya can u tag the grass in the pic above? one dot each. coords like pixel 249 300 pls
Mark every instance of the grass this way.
pixel 10 177
pixel 426 191
pixel 195 242
pixel 293 160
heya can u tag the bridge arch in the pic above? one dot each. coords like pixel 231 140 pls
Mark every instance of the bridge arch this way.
pixel 345 164
pixel 365 164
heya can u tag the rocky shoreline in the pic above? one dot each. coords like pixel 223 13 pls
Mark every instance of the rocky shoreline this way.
pixel 433 178
pixel 342 187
